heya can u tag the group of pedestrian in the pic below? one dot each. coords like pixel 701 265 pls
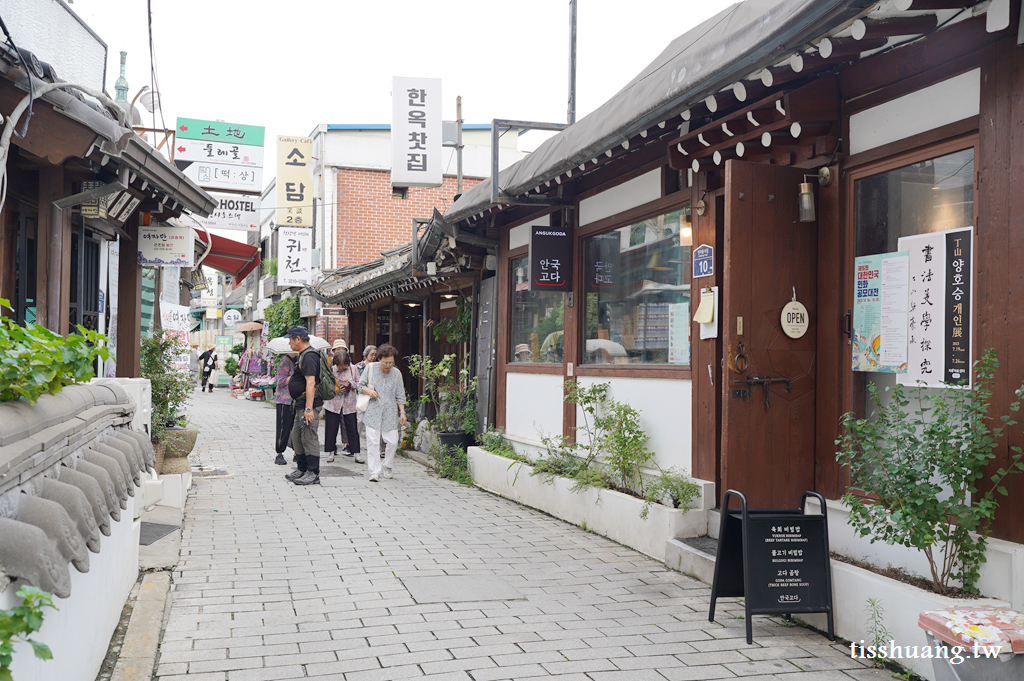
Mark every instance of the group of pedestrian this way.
pixel 299 409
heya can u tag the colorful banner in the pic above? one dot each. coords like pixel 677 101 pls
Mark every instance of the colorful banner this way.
pixel 880 313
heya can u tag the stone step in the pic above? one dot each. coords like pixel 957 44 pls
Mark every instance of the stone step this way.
pixel 714 522
pixel 690 560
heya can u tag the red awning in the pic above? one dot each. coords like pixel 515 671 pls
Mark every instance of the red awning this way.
pixel 231 257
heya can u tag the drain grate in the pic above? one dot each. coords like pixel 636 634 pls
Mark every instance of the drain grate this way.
pixel 152 532
pixel 212 473
pixel 337 472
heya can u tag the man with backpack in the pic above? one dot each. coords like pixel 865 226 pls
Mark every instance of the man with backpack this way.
pixel 308 392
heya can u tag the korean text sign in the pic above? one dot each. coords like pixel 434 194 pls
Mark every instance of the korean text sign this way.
pixel 234 211
pixel 416 132
pixel 550 258
pixel 295 181
pixel 219 155
pixel 165 245
pixel 294 262
pixel 176 320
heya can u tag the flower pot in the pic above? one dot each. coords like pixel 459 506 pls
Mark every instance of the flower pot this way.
pixel 159 450
pixel 180 441
pixel 461 440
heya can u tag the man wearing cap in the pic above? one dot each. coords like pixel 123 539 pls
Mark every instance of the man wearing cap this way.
pixel 302 388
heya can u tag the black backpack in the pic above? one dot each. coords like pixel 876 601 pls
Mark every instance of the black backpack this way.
pixel 326 382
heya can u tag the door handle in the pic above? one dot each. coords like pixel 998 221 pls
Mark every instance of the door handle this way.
pixel 848 324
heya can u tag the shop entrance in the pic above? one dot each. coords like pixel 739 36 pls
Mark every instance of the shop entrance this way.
pixel 768 387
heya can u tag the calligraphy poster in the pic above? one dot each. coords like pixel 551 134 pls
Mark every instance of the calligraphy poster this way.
pixel 679 333
pixel 176 321
pixel 416 132
pixel 880 308
pixel 295 181
pixel 294 260
pixel 939 353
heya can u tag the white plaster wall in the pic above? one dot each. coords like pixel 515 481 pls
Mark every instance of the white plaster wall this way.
pixel 630 194
pixel 52 31
pixel 520 236
pixel 79 632
pixel 665 414
pixel 947 102
pixel 533 408
pixel 371 149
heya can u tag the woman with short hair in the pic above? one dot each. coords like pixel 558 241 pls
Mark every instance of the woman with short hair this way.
pixel 386 412
pixel 340 412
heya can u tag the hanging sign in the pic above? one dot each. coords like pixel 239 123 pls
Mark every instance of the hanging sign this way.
pixel 97 208
pixel 703 261
pixel 199 282
pixel 939 327
pixel 602 262
pixel 164 245
pixel 794 319
pixel 234 211
pixel 219 155
pixel 295 181
pixel 550 258
pixel 295 267
pixel 232 318
pixel 416 132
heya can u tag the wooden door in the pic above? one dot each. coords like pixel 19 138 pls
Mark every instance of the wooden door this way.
pixel 767 448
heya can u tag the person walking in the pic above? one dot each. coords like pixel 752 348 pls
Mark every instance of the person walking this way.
pixel 208 362
pixel 340 413
pixel 369 355
pixel 193 365
pixel 386 411
pixel 307 406
pixel 283 403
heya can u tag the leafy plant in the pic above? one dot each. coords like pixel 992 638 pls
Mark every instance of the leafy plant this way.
pixel 35 360
pixel 455 329
pixel 269 267
pixel 626 445
pixel 238 348
pixel 169 387
pixel 495 442
pixel 676 487
pixel 877 632
pixel 18 623
pixel 924 472
pixel 282 315
pixel 453 463
pixel 231 366
pixel 450 392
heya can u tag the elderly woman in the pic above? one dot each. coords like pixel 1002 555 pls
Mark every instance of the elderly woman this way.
pixel 340 412
pixel 369 355
pixel 283 402
pixel 386 412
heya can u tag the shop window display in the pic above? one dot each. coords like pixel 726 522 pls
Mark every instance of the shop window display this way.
pixel 637 285
pixel 538 320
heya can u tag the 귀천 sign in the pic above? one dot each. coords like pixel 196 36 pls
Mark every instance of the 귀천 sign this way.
pixel 234 211
pixel 416 132
pixel 165 245
pixel 550 258
pixel 294 258
pixel 295 181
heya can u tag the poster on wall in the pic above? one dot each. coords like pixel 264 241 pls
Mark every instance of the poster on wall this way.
pixel 679 333
pixel 880 313
pixel 176 320
pixel 113 272
pixel 939 327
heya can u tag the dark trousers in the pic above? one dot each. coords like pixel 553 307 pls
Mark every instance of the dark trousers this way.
pixel 285 418
pixel 332 424
pixel 206 377
pixel 351 434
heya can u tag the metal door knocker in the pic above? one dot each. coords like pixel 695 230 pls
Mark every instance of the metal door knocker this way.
pixel 741 361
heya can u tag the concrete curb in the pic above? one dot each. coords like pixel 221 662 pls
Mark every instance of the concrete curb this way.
pixel 137 659
pixel 425 460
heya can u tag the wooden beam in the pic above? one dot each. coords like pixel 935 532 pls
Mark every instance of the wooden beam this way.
pixel 129 303
pixel 838 50
pixel 892 26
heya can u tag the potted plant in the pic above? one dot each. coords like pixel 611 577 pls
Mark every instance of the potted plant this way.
pixel 170 388
pixel 452 394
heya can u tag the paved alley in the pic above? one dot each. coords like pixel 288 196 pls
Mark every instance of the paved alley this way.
pixel 279 582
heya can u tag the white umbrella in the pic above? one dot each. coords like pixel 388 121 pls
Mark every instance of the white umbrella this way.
pixel 280 346
pixel 611 347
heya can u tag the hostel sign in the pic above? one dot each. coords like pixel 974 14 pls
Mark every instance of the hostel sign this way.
pixel 416 132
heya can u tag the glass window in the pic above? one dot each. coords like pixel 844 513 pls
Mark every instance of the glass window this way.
pixel 638 292
pixel 933 195
pixel 538 319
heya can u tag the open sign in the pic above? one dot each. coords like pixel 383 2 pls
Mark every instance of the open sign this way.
pixel 794 319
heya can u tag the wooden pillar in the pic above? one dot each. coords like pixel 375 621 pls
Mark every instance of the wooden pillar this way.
pixel 8 253
pixel 129 303
pixel 51 184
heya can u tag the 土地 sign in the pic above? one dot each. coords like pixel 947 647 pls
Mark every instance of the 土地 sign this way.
pixel 220 155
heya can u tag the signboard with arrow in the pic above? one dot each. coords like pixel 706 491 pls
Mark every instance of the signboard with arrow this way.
pixel 220 155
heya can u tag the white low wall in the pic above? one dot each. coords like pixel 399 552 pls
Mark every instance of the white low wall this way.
pixel 533 408
pixel 606 512
pixel 79 632
pixel 902 603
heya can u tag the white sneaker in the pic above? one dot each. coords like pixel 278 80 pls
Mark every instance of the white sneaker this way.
pixel 374 477
pixel 330 457
pixel 388 473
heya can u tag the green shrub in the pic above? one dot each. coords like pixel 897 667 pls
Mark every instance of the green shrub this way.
pixel 678 489
pixel 269 267
pixel 924 469
pixel 282 315
pixel 169 387
pixel 452 463
pixel 495 442
pixel 21 621
pixel 35 360
pixel 231 366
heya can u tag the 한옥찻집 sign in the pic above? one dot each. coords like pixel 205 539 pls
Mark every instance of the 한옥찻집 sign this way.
pixel 416 132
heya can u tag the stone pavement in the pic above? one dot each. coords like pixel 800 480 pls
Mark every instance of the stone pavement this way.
pixel 280 582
